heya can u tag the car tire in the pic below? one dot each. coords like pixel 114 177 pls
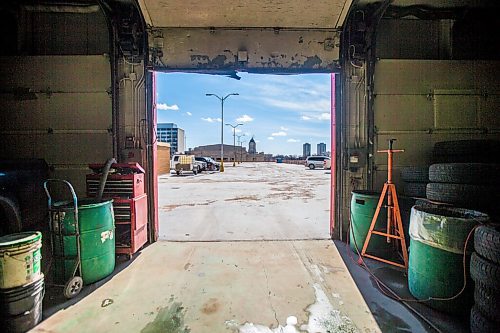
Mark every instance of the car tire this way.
pixel 465 173
pixel 464 195
pixel 467 151
pixel 415 174
pixel 480 324
pixel 312 166
pixel 485 272
pixel 195 172
pixel 488 301
pixel 415 190
pixel 487 243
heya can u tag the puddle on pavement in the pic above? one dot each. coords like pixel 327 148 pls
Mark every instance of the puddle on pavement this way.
pixel 169 320
pixel 323 318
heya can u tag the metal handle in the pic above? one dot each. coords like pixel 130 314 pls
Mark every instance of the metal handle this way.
pixel 72 190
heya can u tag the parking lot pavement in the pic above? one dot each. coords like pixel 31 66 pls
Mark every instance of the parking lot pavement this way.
pixel 252 201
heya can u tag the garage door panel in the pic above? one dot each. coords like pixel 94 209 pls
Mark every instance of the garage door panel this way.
pixel 56 73
pixel 400 77
pixel 89 111
pixel 403 112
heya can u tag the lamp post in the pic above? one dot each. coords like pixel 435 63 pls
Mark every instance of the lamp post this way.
pixel 241 150
pixel 222 99
pixel 239 144
pixel 234 140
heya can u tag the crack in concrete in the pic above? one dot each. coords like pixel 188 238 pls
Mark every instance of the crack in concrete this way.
pixel 269 297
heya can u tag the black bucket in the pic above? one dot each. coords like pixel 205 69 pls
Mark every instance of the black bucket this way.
pixel 21 307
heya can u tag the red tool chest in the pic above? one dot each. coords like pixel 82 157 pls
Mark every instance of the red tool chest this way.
pixel 125 184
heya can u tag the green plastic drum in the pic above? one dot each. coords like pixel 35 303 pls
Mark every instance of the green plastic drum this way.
pixel 436 273
pixel 363 206
pixel 97 239
pixel 437 244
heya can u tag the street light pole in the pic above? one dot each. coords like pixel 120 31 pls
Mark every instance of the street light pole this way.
pixel 241 150
pixel 222 99
pixel 234 140
pixel 239 144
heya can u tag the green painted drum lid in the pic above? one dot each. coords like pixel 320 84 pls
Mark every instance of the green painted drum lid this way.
pixel 82 203
pixel 19 239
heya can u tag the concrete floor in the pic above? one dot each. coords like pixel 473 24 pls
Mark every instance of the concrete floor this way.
pixel 232 262
pixel 223 286
pixel 252 201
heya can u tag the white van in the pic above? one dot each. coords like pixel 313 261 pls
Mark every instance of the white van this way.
pixel 313 162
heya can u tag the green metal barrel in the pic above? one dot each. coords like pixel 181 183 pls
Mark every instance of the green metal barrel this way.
pixel 363 206
pixel 435 268
pixel 97 240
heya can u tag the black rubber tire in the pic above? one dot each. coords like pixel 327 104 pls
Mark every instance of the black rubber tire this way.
pixel 415 190
pixel 463 195
pixel 465 173
pixel 415 174
pixel 467 151
pixel 312 166
pixel 487 243
pixel 480 324
pixel 10 214
pixel 485 272
pixel 488 301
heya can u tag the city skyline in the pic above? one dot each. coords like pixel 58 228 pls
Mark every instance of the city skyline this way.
pixel 281 112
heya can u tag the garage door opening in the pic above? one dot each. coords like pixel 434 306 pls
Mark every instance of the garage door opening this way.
pixel 270 125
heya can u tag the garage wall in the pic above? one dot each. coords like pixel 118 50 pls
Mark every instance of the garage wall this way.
pixel 421 102
pixel 56 108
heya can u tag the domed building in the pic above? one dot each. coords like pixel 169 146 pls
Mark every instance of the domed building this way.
pixel 252 146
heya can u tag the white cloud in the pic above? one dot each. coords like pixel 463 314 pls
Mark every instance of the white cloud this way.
pixel 257 141
pixel 324 116
pixel 270 138
pixel 321 117
pixel 244 119
pixel 189 113
pixel 248 134
pixel 211 120
pixel 283 128
pixel 292 140
pixel 237 130
pixel 280 133
pixel 165 106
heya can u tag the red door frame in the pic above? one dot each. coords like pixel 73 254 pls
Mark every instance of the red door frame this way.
pixel 333 154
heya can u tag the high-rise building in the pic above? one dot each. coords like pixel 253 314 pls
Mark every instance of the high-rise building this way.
pixel 252 146
pixel 321 149
pixel 169 132
pixel 306 149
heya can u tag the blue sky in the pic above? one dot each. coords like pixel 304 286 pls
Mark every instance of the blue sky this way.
pixel 281 112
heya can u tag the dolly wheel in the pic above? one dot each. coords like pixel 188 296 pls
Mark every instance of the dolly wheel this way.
pixel 73 287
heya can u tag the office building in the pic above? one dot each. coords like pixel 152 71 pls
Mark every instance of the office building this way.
pixel 306 150
pixel 321 149
pixel 170 133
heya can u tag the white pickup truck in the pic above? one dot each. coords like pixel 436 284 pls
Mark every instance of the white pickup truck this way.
pixel 180 163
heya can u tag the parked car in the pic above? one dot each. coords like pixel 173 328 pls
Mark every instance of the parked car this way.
pixel 313 162
pixel 202 163
pixel 215 165
pixel 327 164
pixel 180 163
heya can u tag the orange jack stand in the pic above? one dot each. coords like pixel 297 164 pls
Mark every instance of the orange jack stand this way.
pixel 394 223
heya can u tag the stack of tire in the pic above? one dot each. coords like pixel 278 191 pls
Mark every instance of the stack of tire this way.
pixel 466 185
pixel 485 271
pixel 415 181
pixel 466 174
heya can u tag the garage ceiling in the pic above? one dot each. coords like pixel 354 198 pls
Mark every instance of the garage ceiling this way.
pixel 245 14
